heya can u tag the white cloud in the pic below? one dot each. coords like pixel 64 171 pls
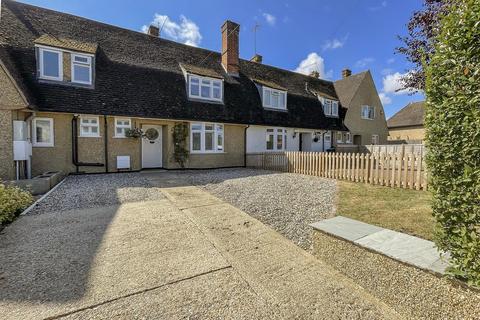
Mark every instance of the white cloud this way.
pixel 382 5
pixel 186 31
pixel 334 44
pixel 270 18
pixel 384 98
pixel 386 71
pixel 392 84
pixel 314 62
pixel 362 63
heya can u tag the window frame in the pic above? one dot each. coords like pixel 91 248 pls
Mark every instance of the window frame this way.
pixel 348 137
pixel 339 133
pixel 363 113
pixel 89 65
pixel 275 138
pixel 89 135
pixel 35 143
pixel 376 138
pixel 331 105
pixel 217 148
pixel 212 81
pixel 122 126
pixel 266 89
pixel 42 75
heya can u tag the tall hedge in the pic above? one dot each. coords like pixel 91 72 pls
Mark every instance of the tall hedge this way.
pixel 453 137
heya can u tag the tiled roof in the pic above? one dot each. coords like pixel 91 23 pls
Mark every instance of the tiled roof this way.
pixel 140 75
pixel 347 87
pixel 411 115
pixel 70 44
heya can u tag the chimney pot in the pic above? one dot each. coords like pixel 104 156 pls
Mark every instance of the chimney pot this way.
pixel 153 31
pixel 257 58
pixel 346 73
pixel 230 47
pixel 314 74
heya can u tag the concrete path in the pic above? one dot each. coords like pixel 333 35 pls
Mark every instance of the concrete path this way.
pixel 188 256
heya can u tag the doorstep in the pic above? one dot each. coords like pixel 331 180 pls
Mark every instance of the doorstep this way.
pixel 399 246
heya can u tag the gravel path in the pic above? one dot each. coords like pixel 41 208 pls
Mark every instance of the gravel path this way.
pixel 88 191
pixel 285 201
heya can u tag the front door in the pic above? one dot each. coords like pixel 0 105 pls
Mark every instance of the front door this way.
pixel 152 146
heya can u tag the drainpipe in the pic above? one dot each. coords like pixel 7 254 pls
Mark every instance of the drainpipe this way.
pixel 75 148
pixel 245 147
pixel 105 132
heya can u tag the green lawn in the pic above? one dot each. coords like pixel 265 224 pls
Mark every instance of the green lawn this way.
pixel 402 210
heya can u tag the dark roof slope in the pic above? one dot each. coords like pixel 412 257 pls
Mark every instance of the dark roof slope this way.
pixel 347 87
pixel 411 115
pixel 139 75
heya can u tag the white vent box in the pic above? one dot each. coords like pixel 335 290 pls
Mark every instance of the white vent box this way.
pixel 20 131
pixel 123 162
pixel 22 150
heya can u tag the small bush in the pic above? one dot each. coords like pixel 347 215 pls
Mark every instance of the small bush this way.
pixel 13 201
pixel 453 137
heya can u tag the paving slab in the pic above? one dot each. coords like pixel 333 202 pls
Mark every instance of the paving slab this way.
pixel 404 247
pixel 55 263
pixel 346 228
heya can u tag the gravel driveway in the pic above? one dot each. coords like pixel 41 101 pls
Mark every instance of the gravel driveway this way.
pixel 287 202
pixel 96 190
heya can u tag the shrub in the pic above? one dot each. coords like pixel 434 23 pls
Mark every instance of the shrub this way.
pixel 13 201
pixel 453 137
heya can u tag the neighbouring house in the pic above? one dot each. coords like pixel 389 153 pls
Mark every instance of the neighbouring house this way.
pixel 365 117
pixel 74 90
pixel 406 126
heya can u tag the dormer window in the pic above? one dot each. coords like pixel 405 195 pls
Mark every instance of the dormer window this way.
pixel 274 99
pixel 205 88
pixel 81 69
pixel 330 107
pixel 51 64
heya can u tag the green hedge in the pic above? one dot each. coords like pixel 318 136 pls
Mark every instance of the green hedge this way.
pixel 453 137
pixel 13 201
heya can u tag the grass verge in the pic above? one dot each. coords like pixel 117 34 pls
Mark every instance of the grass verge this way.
pixel 402 210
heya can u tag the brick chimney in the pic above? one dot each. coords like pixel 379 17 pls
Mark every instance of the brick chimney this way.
pixel 257 58
pixel 153 31
pixel 230 47
pixel 346 73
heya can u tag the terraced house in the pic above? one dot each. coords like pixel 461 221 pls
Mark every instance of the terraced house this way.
pixel 83 96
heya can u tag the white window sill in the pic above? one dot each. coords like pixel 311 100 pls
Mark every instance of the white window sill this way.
pixel 120 137
pixel 368 119
pixel 50 78
pixel 207 152
pixel 84 136
pixel 42 145
pixel 275 109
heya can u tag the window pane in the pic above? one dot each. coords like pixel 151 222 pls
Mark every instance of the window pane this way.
pixel 196 126
pixel 208 126
pixel 194 80
pixel 282 101
pixel 43 131
pixel 81 73
pixel 196 141
pixel 119 131
pixel 279 142
pixel 194 88
pixel 216 93
pixel 205 91
pixel 209 142
pixel 220 141
pixel 51 64
pixel 81 59
pixel 269 141
pixel 266 97
pixel 94 129
pixel 275 100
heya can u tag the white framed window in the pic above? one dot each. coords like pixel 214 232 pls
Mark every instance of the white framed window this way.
pixel 81 69
pixel 276 139
pixel 330 107
pixel 50 64
pixel 43 133
pixel 206 137
pixel 205 88
pixel 368 112
pixel 340 137
pixel 121 127
pixel 374 138
pixel 89 126
pixel 274 99
pixel 348 137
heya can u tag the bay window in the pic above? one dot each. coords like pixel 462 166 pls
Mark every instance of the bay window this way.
pixel 206 137
pixel 276 139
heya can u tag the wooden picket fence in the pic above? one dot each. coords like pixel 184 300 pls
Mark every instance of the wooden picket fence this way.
pixel 399 170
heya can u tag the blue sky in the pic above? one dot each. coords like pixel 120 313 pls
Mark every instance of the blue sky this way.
pixel 327 35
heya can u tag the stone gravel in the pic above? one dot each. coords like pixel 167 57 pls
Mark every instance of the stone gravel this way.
pixel 286 202
pixel 89 191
